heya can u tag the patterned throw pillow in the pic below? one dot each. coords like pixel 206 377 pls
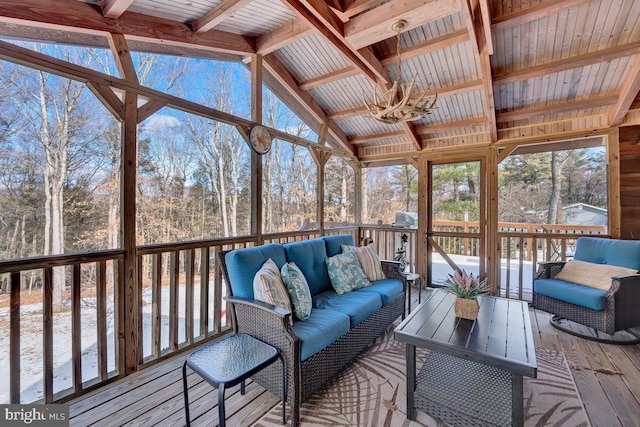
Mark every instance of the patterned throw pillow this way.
pixel 298 290
pixel 345 273
pixel 369 261
pixel 268 286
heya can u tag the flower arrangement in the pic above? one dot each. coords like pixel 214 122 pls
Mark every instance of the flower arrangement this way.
pixel 466 286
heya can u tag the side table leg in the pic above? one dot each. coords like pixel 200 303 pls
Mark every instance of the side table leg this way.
pixel 242 391
pixel 221 415
pixel 185 393
pixel 517 408
pixel 411 381
pixel 409 292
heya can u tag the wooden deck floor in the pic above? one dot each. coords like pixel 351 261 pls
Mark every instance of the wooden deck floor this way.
pixel 607 376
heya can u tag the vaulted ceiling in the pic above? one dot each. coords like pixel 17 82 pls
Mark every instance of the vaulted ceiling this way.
pixel 503 70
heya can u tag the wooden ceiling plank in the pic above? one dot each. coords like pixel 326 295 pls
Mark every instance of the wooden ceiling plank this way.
pixel 375 25
pixel 83 17
pixel 442 93
pixel 115 8
pixel 458 124
pixel 329 77
pixel 274 67
pixel 120 50
pixel 628 92
pixel 376 137
pixel 481 50
pixel 285 34
pixel 224 10
pixel 428 46
pixel 561 107
pixel 583 60
pixel 533 13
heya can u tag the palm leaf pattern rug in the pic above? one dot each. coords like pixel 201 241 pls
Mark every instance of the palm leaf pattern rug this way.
pixel 372 392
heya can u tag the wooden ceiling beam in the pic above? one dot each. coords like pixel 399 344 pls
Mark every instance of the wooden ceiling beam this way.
pixel 533 13
pixel 376 137
pixel 561 107
pixel 87 18
pixel 124 63
pixel 586 59
pixel 115 8
pixel 355 7
pixel 458 124
pixel 428 46
pixel 329 77
pixel 628 92
pixel 442 93
pixel 274 67
pixel 481 50
pixel 218 14
pixel 285 34
pixel 486 24
pixel 375 25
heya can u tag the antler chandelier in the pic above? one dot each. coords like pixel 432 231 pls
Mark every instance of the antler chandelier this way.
pixel 398 103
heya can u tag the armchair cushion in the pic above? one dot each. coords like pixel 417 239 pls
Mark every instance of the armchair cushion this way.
pixel 388 289
pixel 357 305
pixel 321 329
pixel 268 286
pixel 309 256
pixel 345 273
pixel 334 243
pixel 573 293
pixel 625 253
pixel 590 274
pixel 369 261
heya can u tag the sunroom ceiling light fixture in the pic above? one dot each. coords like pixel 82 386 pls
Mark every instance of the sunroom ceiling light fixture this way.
pixel 398 103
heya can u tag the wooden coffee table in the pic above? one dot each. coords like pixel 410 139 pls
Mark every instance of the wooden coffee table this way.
pixel 473 374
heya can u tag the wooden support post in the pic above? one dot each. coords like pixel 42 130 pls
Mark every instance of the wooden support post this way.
pixel 424 191
pixel 128 234
pixel 493 245
pixel 358 193
pixel 256 159
pixel 320 157
pixel 613 162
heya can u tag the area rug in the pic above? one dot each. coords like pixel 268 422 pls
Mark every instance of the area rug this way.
pixel 372 392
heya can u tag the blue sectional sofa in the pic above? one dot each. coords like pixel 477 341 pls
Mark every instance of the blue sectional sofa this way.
pixel 340 326
pixel 612 307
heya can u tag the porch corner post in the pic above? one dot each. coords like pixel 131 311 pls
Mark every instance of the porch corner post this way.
pixel 129 293
pixel 615 208
pixel 358 193
pixel 422 253
pixel 256 159
pixel 493 240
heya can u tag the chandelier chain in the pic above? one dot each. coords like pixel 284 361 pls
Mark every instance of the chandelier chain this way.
pixel 398 52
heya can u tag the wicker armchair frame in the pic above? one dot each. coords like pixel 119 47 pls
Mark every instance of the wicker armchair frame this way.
pixel 273 325
pixel 621 310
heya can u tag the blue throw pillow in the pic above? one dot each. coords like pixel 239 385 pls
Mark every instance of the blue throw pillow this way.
pixel 298 290
pixel 346 273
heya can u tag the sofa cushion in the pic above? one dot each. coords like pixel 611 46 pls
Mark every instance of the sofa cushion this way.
pixel 625 253
pixel 590 274
pixel 321 329
pixel 388 289
pixel 345 273
pixel 583 296
pixel 369 261
pixel 309 256
pixel 268 286
pixel 298 289
pixel 334 243
pixel 357 305
pixel 243 264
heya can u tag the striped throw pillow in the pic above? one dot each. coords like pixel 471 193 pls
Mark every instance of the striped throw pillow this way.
pixel 369 261
pixel 268 286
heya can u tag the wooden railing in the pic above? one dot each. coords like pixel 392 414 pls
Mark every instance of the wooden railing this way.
pixel 181 294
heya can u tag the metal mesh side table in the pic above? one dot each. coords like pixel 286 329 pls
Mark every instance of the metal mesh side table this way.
pixel 229 362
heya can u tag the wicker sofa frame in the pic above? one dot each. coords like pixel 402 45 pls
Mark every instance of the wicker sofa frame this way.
pixel 621 309
pixel 273 325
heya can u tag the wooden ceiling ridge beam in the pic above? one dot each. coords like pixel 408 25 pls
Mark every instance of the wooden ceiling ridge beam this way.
pixel 329 77
pixel 561 107
pixel 214 17
pixel 533 13
pixel 285 34
pixel 442 93
pixel 376 137
pixel 274 67
pixel 481 49
pixel 583 60
pixel 374 25
pixel 628 92
pixel 115 8
pixel 428 46
pixel 87 18
pixel 457 124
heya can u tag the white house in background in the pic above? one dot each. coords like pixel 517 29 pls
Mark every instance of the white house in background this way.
pixel 584 214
